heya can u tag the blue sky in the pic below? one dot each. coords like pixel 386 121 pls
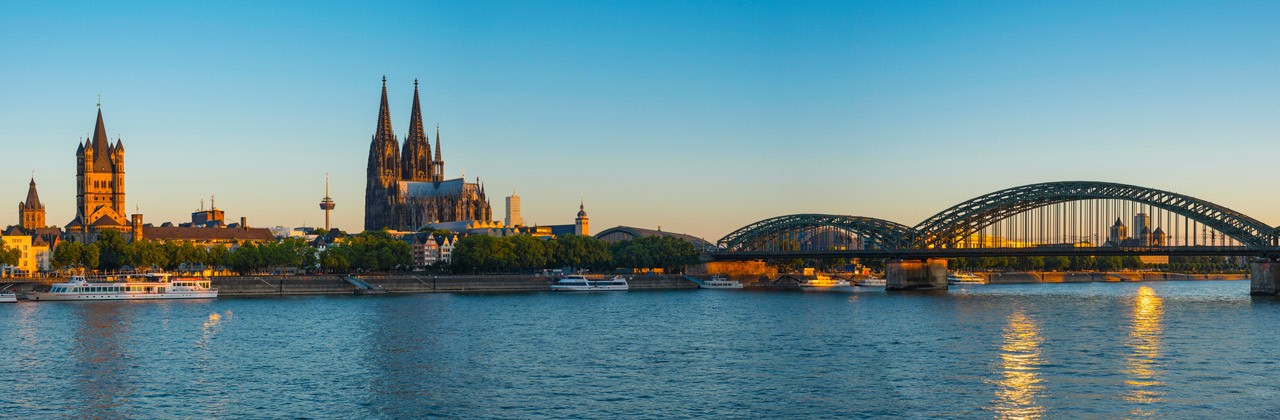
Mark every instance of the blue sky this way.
pixel 700 117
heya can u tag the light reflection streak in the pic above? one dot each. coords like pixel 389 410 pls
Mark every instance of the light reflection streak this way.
pixel 1143 361
pixel 1021 386
pixel 210 327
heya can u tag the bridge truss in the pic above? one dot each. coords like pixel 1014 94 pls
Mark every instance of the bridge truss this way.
pixel 1054 218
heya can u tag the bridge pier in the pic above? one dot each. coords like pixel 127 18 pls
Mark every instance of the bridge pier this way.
pixel 1264 278
pixel 929 274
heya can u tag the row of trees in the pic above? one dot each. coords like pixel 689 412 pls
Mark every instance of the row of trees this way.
pixel 521 253
pixel 369 251
pixel 113 252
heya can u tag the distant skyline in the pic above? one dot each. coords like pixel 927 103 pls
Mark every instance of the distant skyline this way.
pixel 700 117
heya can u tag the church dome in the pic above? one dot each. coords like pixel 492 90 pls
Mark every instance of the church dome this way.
pixel 582 212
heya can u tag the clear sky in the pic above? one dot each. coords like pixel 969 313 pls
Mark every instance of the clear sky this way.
pixel 700 117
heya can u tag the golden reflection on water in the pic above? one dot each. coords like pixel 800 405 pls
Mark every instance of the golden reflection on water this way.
pixel 1142 364
pixel 1021 386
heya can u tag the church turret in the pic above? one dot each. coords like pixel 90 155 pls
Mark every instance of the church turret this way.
pixel 31 212
pixel 581 225
pixel 437 164
pixel 416 158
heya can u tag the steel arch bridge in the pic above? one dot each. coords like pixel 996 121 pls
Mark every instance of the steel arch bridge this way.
pixel 946 233
pixel 961 220
pixel 773 233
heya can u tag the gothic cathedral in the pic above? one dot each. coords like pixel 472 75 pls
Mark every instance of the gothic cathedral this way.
pixel 406 189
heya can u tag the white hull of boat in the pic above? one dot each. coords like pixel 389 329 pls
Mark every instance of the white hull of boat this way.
pixel 45 296
pixel 720 286
pixel 8 297
pixel 611 288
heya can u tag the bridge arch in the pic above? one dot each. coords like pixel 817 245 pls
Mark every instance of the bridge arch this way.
pixel 856 232
pixel 945 229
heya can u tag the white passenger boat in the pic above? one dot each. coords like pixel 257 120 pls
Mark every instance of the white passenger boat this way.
pixel 871 282
pixel 582 284
pixel 128 287
pixel 719 282
pixel 8 297
pixel 960 277
pixel 824 283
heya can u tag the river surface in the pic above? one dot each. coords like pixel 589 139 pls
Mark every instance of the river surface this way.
pixel 1162 349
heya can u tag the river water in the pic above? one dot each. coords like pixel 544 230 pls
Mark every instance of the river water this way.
pixel 1161 349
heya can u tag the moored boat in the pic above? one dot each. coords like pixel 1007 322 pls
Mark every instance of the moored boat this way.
pixel 871 282
pixel 136 286
pixel 960 277
pixel 719 282
pixel 8 297
pixel 576 283
pixel 822 282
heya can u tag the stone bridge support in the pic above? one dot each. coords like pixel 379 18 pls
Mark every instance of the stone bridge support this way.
pixel 930 274
pixel 1265 278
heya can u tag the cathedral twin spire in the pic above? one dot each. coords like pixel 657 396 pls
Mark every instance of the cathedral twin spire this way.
pixel 388 161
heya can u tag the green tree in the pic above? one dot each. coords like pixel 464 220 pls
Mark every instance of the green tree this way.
pixel 67 254
pixel 335 259
pixel 668 253
pixel 246 259
pixel 9 256
pixel 530 252
pixel 1133 262
pixel 581 252
pixel 218 256
pixel 113 250
pixel 91 256
pixel 147 254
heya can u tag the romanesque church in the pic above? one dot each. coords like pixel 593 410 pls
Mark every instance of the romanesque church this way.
pixel 406 189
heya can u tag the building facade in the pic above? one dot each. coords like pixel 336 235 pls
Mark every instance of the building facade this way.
pixel 406 189
pixel 32 256
pixel 513 211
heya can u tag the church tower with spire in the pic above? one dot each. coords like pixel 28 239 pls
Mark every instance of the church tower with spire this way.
pixel 383 171
pixel 100 191
pixel 417 150
pixel 31 212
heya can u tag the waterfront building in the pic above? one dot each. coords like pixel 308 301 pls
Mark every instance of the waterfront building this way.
pixel 426 249
pixel 405 188
pixel 31 213
pixel 446 249
pixel 513 210
pixel 32 257
pixel 99 185
pixel 626 233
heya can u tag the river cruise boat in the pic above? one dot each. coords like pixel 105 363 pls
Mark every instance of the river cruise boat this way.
pixel 871 282
pixel 8 297
pixel 822 282
pixel 582 284
pixel 719 282
pixel 960 277
pixel 140 286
